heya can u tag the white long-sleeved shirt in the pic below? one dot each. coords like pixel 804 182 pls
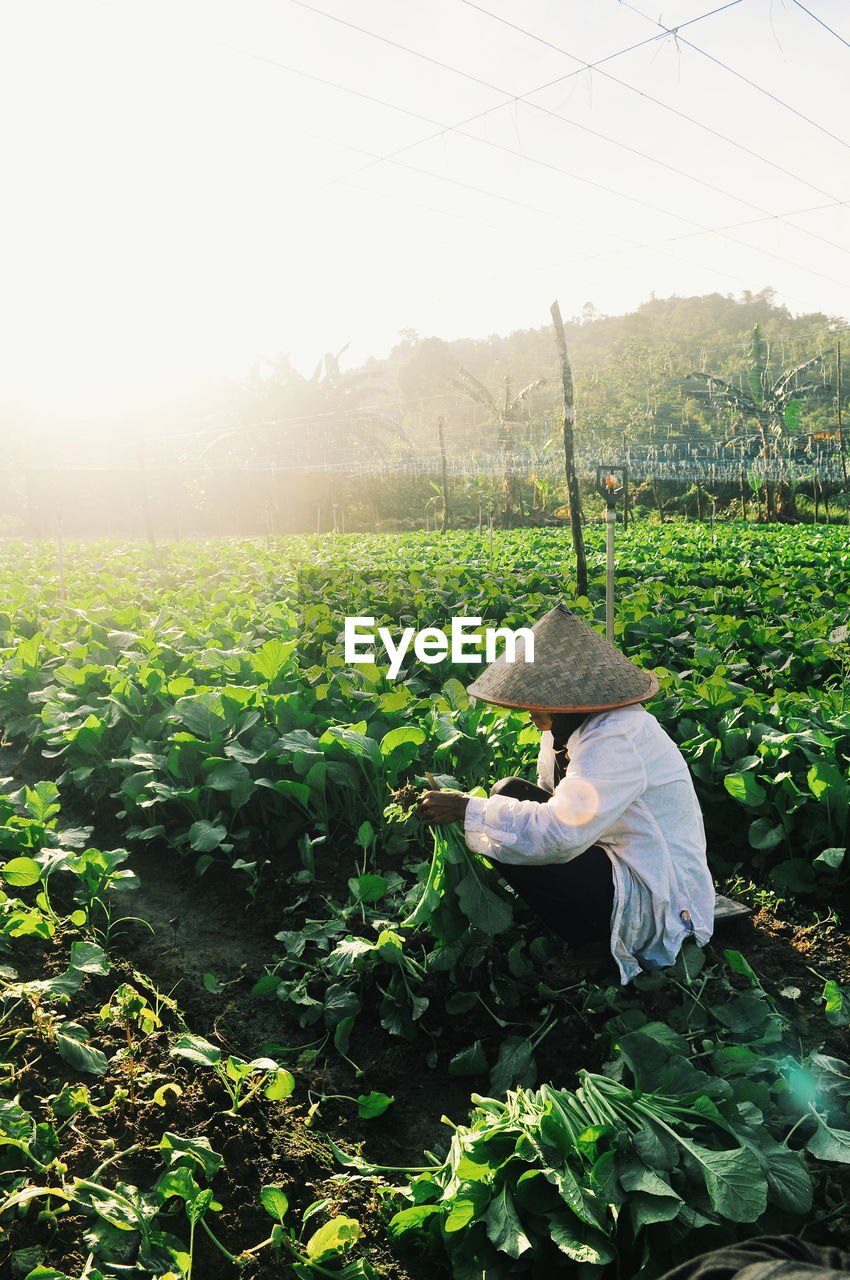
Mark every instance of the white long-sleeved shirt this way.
pixel 627 788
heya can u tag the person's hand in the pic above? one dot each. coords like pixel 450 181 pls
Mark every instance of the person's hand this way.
pixel 440 807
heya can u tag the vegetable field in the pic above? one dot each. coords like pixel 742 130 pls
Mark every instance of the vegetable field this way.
pixel 256 1021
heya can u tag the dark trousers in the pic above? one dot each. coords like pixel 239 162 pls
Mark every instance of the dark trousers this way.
pixel 766 1258
pixel 576 898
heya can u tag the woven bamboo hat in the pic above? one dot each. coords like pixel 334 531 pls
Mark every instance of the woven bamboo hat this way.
pixel 574 669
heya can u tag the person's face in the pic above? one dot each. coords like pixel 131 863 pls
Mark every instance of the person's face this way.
pixel 541 720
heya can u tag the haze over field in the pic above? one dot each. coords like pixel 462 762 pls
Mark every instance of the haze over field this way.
pixel 198 185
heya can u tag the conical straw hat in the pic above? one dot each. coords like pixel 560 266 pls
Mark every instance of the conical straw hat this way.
pixel 574 669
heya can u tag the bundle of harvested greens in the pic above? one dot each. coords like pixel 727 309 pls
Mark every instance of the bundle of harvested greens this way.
pixel 461 890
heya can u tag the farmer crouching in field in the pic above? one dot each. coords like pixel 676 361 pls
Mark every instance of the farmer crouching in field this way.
pixel 609 849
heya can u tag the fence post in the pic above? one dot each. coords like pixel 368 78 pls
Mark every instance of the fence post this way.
pixel 143 481
pixel 445 520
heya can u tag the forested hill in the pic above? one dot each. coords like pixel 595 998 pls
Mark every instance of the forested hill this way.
pixel 630 371
pixel 290 450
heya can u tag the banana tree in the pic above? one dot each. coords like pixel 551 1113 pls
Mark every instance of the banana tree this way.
pixel 774 407
pixel 506 413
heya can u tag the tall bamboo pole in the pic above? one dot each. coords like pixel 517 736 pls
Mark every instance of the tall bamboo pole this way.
pixel 569 453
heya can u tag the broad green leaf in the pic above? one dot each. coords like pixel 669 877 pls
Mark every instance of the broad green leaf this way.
pixel 736 1185
pixel 42 801
pixel 831 858
pixel 355 742
pixel 368 888
pixel 196 1050
pixel 21 872
pixel 281 1085
pixel 342 1033
pixel 827 1143
pixel 395 700
pixel 482 907
pixel 196 1209
pixel 471 1061
pixel 333 1239
pixel 414 1218
pixel 580 1243
pixel 206 836
pixel 471 1170
pixel 463 1210
pixel 837 1004
pixel 504 1228
pixel 794 875
pixel 407 735
pixel 299 740
pixel 273 657
pixel 738 964
pixel 655 1147
pixel 824 778
pixel 177 1181
pixel 197 1151
pixel 88 957
pixel 298 791
pixel 514 1066
pixel 72 1044
pixel 373 1104
pixel 16 1125
pixel 274 1202
pixel 160 1095
pixel 788 1180
pixel 390 947
pixel 717 692
pixel 366 836
pixel 202 715
pixel 649 1198
pixel 231 776
pixel 765 834
pixel 745 788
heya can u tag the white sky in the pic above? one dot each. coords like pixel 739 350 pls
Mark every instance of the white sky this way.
pixel 190 185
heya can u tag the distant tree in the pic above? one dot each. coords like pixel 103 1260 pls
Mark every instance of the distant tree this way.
pixel 506 414
pixel 774 407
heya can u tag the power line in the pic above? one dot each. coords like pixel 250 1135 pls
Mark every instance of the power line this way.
pixel 549 213
pixel 821 23
pixel 391 106
pixel 457 128
pixel 666 106
pixel 550 84
pixel 674 31
pixel 511 99
pixel 700 230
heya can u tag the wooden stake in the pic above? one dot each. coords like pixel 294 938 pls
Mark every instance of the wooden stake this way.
pixel 61 546
pixel 569 451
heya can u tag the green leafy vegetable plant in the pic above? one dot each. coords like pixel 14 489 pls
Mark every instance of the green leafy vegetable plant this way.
pixel 241 1079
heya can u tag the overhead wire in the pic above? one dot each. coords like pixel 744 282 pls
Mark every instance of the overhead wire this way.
pixel 821 23
pixel 550 84
pixel 666 106
pixel 512 99
pixel 674 31
pixel 392 106
pixel 557 214
pixel 458 127
pixel 701 228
